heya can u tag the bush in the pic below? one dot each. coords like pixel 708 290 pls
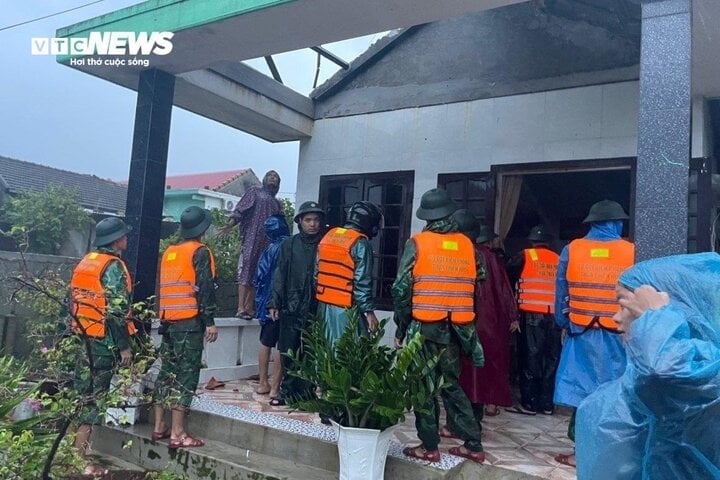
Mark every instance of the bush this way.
pixel 40 221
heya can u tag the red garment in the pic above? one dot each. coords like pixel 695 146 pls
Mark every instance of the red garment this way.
pixel 495 309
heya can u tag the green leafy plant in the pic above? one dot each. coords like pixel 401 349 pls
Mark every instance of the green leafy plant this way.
pixel 40 221
pixel 364 383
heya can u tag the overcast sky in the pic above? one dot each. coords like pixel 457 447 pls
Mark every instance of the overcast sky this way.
pixel 57 116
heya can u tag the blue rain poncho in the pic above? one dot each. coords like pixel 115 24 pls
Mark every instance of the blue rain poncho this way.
pixel 276 229
pixel 595 357
pixel 661 419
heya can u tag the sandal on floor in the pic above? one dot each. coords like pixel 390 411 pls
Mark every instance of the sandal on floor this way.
pixel 478 457
pixel 245 315
pixel 277 402
pixel 420 453
pixel 521 410
pixel 212 384
pixel 186 441
pixel 445 432
pixel 565 459
pixel 160 435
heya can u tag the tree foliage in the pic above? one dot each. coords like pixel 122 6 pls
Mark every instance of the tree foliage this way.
pixel 41 221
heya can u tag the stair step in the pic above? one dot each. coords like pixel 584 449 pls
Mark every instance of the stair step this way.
pixel 214 460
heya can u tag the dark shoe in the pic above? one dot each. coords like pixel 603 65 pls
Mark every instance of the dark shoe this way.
pixel 478 457
pixel 521 409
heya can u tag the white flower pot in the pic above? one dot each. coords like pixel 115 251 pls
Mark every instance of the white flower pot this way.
pixel 363 452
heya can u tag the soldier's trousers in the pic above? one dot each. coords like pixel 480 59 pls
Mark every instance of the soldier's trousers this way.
pixel 290 338
pixel 539 353
pixel 457 406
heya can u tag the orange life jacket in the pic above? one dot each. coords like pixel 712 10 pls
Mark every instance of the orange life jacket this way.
pixel 178 283
pixel 336 267
pixel 536 286
pixel 443 278
pixel 593 271
pixel 88 301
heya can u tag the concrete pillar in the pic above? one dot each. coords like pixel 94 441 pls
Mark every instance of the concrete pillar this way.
pixel 146 186
pixel 661 202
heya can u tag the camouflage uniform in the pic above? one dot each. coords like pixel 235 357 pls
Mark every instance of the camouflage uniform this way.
pixel 105 351
pixel 454 339
pixel 182 341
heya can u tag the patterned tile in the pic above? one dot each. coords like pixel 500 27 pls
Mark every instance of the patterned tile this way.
pixel 516 442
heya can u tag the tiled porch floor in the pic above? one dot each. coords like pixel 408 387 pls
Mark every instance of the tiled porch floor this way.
pixel 516 442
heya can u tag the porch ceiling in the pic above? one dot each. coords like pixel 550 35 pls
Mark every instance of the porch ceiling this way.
pixel 208 34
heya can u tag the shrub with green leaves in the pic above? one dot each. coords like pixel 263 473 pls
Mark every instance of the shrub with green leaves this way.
pixel 40 221
pixel 364 383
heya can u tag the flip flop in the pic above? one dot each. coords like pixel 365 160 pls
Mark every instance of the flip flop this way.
pixel 427 455
pixel 521 410
pixel 186 441
pixel 277 402
pixel 212 384
pixel 565 459
pixel 478 457
pixel 160 435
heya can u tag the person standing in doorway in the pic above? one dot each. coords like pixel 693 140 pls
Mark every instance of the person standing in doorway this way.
pixel 539 336
pixel 344 270
pixel 101 291
pixel 588 272
pixel 187 314
pixel 251 211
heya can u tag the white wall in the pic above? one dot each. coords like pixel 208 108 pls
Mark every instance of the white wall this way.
pixel 580 123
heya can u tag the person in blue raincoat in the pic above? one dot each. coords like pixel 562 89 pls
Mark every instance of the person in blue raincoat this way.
pixel 589 267
pixel 344 268
pixel 661 419
pixel 276 229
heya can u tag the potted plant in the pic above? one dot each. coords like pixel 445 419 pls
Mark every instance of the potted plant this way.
pixel 366 388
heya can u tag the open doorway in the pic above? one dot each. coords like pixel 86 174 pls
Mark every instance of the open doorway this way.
pixel 558 195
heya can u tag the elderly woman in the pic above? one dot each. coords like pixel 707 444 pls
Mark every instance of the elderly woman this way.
pixel 660 420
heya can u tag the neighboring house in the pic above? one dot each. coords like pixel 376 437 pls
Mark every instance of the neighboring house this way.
pixel 97 195
pixel 219 190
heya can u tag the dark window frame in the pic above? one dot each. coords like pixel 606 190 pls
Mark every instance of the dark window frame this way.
pixel 401 214
pixel 487 216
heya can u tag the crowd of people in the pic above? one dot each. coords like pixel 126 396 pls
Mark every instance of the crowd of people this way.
pixel 466 299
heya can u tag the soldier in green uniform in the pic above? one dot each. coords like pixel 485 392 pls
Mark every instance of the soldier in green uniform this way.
pixel 100 300
pixel 434 294
pixel 187 312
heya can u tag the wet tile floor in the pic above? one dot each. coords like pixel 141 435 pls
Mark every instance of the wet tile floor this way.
pixel 516 442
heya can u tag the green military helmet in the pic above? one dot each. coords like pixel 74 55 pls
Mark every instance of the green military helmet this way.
pixel 435 204
pixel 485 234
pixel 194 221
pixel 108 230
pixel 466 222
pixel 606 210
pixel 540 233
pixel 308 207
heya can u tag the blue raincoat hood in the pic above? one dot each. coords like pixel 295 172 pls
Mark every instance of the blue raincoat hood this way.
pixel 276 227
pixel 661 419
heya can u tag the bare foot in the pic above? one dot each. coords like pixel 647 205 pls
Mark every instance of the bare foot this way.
pixel 263 389
pixel 274 393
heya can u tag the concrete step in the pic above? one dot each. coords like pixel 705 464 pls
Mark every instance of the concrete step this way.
pixel 279 448
pixel 215 460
